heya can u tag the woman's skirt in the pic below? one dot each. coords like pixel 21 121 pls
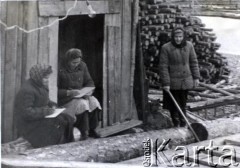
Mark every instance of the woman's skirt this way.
pixel 78 106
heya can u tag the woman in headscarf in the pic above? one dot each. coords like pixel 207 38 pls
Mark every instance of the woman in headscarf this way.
pixel 74 76
pixel 179 73
pixel 32 105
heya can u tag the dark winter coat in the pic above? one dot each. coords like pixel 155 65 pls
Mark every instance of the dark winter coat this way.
pixel 31 106
pixel 69 79
pixel 178 66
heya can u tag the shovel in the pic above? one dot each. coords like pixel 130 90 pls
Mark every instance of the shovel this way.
pixel 199 131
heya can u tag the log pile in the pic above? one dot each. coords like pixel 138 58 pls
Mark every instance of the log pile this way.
pixel 157 19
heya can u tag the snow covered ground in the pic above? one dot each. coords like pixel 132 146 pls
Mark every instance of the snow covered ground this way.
pixel 227 31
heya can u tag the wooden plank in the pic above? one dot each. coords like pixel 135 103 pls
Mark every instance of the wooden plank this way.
pixel 24 44
pixel 19 59
pixel 43 43
pixel 48 8
pixel 3 16
pixel 126 61
pixel 110 20
pixel 10 72
pixel 32 38
pixel 216 89
pixel 13 163
pixel 19 48
pixel 231 142
pixel 225 100
pixel 133 56
pixel 104 132
pixel 53 58
pixel 111 76
pixel 105 66
pixel 117 74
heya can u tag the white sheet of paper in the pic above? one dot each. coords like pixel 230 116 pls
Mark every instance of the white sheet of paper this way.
pixel 84 91
pixel 56 113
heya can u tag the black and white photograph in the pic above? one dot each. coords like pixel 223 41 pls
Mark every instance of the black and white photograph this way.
pixel 120 83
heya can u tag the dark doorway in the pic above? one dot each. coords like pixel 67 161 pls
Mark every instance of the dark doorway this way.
pixel 86 34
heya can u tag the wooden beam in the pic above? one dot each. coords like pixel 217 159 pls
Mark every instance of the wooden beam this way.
pixel 10 72
pixel 117 74
pixel 135 13
pixel 111 31
pixel 104 132
pixel 105 67
pixel 60 8
pixel 125 147
pixel 53 58
pixel 3 17
pixel 32 38
pixel 43 42
pixel 213 103
pixel 17 163
pixel 231 142
pixel 19 59
pixel 112 20
pixel 216 89
pixel 126 60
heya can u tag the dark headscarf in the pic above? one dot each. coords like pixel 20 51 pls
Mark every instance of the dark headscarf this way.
pixel 38 72
pixel 184 41
pixel 70 55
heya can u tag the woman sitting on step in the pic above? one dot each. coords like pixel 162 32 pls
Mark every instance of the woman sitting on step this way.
pixel 74 76
pixel 32 105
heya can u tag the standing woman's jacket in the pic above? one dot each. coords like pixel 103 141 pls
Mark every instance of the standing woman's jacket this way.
pixel 178 66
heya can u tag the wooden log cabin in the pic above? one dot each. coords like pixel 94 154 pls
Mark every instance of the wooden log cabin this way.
pixel 107 42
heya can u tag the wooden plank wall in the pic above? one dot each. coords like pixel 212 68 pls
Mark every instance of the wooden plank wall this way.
pixel 20 51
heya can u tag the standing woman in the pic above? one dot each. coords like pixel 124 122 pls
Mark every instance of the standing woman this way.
pixel 32 105
pixel 179 73
pixel 73 76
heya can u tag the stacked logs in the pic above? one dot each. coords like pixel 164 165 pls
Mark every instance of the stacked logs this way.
pixel 157 19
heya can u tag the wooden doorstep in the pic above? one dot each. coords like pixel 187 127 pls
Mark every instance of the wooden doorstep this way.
pixel 110 130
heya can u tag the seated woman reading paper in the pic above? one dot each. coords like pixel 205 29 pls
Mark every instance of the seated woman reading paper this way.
pixel 32 108
pixel 73 79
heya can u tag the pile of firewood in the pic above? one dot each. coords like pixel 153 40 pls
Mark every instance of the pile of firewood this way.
pixel 157 19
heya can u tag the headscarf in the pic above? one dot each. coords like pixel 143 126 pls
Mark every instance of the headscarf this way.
pixel 38 72
pixel 184 41
pixel 70 55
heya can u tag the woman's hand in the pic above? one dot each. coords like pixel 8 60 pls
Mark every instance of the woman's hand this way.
pixel 196 83
pixel 52 104
pixel 73 92
pixel 48 111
